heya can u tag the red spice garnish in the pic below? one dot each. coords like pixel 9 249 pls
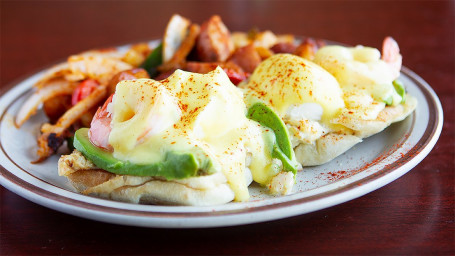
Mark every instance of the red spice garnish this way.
pixel 341 174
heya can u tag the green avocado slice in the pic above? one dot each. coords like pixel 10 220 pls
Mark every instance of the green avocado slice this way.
pixel 174 166
pixel 399 88
pixel 282 149
pixel 388 101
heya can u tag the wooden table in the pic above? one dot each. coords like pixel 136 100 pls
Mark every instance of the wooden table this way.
pixel 413 215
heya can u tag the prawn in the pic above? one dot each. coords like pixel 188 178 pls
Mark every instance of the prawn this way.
pixel 100 127
pixel 391 55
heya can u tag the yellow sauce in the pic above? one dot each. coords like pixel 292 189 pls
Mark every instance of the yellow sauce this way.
pixel 284 80
pixel 197 113
pixel 359 70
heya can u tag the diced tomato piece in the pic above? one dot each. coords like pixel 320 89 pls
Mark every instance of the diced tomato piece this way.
pixel 235 76
pixel 84 89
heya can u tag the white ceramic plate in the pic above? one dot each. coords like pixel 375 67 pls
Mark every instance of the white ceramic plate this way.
pixel 370 165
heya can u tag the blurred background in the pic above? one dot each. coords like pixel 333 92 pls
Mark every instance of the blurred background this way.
pixel 51 30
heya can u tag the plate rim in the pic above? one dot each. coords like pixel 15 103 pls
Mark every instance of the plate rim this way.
pixel 236 216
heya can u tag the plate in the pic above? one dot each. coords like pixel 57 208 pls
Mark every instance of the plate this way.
pixel 375 162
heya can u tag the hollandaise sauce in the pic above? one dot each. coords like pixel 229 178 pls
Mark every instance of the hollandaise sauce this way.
pixel 203 114
pixel 284 80
pixel 360 71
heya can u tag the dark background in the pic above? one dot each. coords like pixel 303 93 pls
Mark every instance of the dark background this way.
pixel 412 215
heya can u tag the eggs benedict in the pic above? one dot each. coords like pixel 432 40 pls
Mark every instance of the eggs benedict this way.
pixel 307 98
pixel 188 139
pixel 374 96
pixel 333 102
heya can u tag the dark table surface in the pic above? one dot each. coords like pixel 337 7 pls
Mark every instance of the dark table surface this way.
pixel 412 215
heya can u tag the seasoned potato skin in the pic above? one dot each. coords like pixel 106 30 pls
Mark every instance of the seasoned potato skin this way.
pixel 214 42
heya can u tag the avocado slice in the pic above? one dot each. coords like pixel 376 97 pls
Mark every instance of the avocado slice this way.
pixel 399 88
pixel 282 149
pixel 392 94
pixel 388 101
pixel 69 143
pixel 174 166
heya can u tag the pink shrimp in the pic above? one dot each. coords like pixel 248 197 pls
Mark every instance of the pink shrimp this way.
pixel 391 55
pixel 100 128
